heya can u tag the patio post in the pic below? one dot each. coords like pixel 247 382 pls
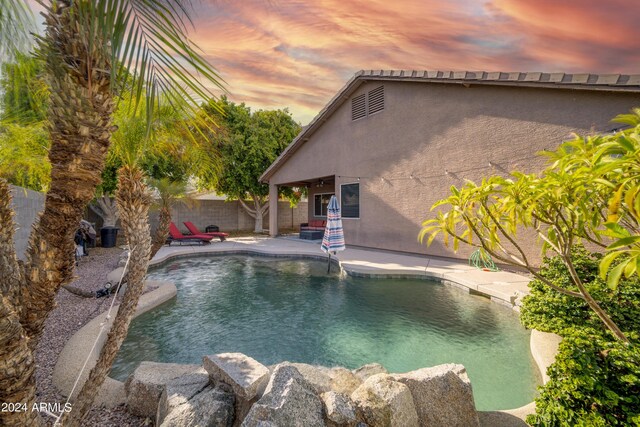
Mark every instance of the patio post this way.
pixel 273 210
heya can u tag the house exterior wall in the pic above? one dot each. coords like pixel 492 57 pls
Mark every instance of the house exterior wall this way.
pixel 326 188
pixel 431 136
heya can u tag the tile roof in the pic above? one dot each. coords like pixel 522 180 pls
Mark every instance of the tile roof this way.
pixel 584 81
pixel 591 80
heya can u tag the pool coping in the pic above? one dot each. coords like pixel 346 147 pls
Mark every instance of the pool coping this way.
pixel 543 345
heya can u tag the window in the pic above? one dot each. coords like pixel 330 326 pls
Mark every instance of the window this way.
pixel 350 200
pixel 320 203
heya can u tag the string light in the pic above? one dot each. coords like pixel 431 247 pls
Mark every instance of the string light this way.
pixel 455 174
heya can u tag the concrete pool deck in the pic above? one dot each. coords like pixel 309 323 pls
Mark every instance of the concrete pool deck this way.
pixel 500 287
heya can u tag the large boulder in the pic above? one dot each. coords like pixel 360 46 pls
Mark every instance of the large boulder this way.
pixel 245 375
pixel 442 395
pixel 325 379
pixel 115 276
pixel 145 385
pixel 318 376
pixel 289 400
pixel 339 409
pixel 212 407
pixel 343 380
pixel 180 390
pixel 383 402
pixel 368 370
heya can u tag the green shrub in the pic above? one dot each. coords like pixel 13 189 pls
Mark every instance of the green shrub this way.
pixel 595 380
pixel 550 311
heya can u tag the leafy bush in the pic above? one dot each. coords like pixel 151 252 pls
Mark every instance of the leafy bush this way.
pixel 595 380
pixel 550 311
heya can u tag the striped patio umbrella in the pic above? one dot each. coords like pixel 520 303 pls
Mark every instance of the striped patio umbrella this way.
pixel 333 239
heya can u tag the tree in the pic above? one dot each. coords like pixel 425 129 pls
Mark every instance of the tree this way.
pixel 133 199
pixel 82 42
pixel 24 142
pixel 23 155
pixel 249 143
pixel 25 93
pixel 169 193
pixel 579 197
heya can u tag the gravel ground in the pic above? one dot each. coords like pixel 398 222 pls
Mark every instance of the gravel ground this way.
pixel 71 313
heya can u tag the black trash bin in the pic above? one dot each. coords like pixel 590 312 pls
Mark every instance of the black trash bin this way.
pixel 108 236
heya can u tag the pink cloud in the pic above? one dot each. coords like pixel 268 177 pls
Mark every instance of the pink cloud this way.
pixel 298 53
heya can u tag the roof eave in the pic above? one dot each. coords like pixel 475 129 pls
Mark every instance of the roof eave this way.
pixel 319 119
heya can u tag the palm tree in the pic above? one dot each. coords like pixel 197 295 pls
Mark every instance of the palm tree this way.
pixel 86 46
pixel 170 193
pixel 134 200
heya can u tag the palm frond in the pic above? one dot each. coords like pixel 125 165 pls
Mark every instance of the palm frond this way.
pixel 16 23
pixel 153 57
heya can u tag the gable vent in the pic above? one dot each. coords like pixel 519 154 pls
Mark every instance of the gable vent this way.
pixel 358 109
pixel 376 100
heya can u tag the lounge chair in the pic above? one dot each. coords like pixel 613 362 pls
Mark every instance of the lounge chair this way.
pixel 176 236
pixel 194 230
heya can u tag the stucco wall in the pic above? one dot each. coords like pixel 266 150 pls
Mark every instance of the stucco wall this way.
pixel 431 136
pixel 27 204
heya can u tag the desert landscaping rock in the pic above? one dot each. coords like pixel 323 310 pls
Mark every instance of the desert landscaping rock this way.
pixel 289 400
pixel 180 390
pixel 339 409
pixel 368 370
pixel 114 276
pixel 146 384
pixel 442 395
pixel 318 376
pixel 212 407
pixel 326 379
pixel 343 380
pixel 72 313
pixel 245 375
pixel 383 402
pixel 122 259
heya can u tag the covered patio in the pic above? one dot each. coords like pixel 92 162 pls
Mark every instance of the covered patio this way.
pixel 319 191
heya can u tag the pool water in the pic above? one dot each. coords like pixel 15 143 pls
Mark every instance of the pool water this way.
pixel 276 309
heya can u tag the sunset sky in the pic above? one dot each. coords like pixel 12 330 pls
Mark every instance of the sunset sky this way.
pixel 297 53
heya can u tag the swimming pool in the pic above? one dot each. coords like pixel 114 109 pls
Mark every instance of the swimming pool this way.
pixel 276 309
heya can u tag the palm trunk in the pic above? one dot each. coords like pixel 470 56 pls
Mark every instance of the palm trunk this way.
pixel 160 237
pixel 10 272
pixel 17 382
pixel 134 201
pixel 17 367
pixel 80 129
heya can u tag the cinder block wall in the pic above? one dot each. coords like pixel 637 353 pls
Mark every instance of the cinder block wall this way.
pixel 231 216
pixel 228 215
pixel 27 204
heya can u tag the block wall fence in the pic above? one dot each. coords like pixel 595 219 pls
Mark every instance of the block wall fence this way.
pixel 228 215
